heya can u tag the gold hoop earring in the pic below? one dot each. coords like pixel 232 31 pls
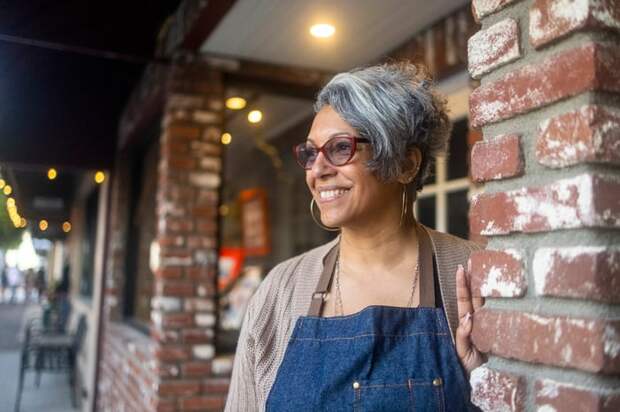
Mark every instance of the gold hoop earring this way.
pixel 403 206
pixel 318 220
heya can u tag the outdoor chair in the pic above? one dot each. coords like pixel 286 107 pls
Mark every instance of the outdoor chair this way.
pixel 50 352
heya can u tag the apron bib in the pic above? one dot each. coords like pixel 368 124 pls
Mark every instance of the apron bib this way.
pixel 379 359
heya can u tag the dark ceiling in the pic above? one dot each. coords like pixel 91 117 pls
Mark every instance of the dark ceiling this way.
pixel 62 108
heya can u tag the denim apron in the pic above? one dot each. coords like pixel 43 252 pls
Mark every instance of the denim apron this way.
pixel 379 359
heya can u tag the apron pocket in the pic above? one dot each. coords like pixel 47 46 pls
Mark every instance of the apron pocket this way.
pixel 413 395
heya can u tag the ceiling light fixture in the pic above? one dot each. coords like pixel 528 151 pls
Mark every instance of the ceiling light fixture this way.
pixel 255 116
pixel 226 138
pixel 322 30
pixel 235 103
pixel 52 173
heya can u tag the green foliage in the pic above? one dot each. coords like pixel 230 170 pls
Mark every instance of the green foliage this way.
pixel 10 236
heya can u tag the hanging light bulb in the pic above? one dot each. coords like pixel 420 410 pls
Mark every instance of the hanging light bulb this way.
pixel 99 177
pixel 255 116
pixel 43 225
pixel 226 138
pixel 235 103
pixel 66 227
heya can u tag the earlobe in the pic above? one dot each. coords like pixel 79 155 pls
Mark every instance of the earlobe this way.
pixel 413 167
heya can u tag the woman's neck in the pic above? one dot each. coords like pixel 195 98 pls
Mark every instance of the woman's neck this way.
pixel 384 248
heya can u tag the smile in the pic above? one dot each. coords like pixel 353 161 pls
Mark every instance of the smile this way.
pixel 327 195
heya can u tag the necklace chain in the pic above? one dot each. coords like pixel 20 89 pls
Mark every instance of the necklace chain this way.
pixel 339 305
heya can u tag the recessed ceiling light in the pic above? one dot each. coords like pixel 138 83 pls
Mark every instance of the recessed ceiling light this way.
pixel 322 30
pixel 255 116
pixel 235 103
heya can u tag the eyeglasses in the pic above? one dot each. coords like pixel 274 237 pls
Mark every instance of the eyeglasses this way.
pixel 338 151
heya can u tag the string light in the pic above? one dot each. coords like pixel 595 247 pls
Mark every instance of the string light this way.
pixel 23 222
pixel 7 190
pixel 66 227
pixel 52 174
pixel 10 202
pixel 43 225
pixel 99 177
pixel 2 183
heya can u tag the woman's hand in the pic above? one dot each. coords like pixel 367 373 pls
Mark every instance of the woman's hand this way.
pixel 470 357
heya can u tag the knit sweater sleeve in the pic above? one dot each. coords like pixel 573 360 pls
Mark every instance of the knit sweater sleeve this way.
pixel 242 391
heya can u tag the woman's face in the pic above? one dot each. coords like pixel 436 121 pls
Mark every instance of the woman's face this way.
pixel 348 195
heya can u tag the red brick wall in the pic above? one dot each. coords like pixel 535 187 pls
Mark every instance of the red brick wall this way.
pixel 549 108
pixel 171 370
pixel 184 316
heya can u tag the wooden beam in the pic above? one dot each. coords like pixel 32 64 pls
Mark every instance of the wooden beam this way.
pixel 205 22
pixel 275 79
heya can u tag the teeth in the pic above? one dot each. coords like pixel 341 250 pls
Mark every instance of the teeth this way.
pixel 330 194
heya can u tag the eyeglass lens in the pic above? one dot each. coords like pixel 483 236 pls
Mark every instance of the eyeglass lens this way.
pixel 338 152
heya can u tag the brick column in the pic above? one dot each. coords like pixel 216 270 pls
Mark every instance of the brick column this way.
pixel 549 109
pixel 183 315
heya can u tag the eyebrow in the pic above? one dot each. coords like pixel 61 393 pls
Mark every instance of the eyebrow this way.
pixel 331 136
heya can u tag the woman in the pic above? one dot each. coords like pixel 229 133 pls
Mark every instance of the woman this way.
pixel 370 321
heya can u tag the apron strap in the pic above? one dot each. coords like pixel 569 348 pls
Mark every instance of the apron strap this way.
pixel 320 294
pixel 427 271
pixel 427 285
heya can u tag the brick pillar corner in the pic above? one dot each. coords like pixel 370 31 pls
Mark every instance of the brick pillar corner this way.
pixel 183 306
pixel 549 109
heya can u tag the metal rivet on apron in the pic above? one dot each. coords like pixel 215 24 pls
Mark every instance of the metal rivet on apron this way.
pixel 437 382
pixel 356 385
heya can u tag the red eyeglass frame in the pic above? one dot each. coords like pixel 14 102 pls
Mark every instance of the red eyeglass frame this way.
pixel 354 139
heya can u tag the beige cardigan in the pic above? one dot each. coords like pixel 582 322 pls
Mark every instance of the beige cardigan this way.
pixel 285 295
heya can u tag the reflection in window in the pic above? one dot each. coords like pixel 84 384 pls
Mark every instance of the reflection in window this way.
pixel 426 211
pixel 458 207
pixel 457 164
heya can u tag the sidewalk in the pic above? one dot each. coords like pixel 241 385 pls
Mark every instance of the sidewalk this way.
pixel 52 396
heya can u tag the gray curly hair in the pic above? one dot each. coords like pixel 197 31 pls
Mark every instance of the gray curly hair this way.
pixel 395 106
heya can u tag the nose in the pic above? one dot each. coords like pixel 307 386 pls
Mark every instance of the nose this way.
pixel 321 167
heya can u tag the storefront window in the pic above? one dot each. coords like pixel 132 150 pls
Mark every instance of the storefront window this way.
pixel 443 204
pixel 88 244
pixel 142 231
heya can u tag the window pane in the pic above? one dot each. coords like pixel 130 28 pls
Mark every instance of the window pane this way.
pixel 458 208
pixel 457 163
pixel 88 244
pixel 426 211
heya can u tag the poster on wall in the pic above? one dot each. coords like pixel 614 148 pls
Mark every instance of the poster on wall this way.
pixel 254 222
pixel 230 264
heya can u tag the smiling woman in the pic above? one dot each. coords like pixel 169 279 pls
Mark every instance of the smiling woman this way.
pixel 380 318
